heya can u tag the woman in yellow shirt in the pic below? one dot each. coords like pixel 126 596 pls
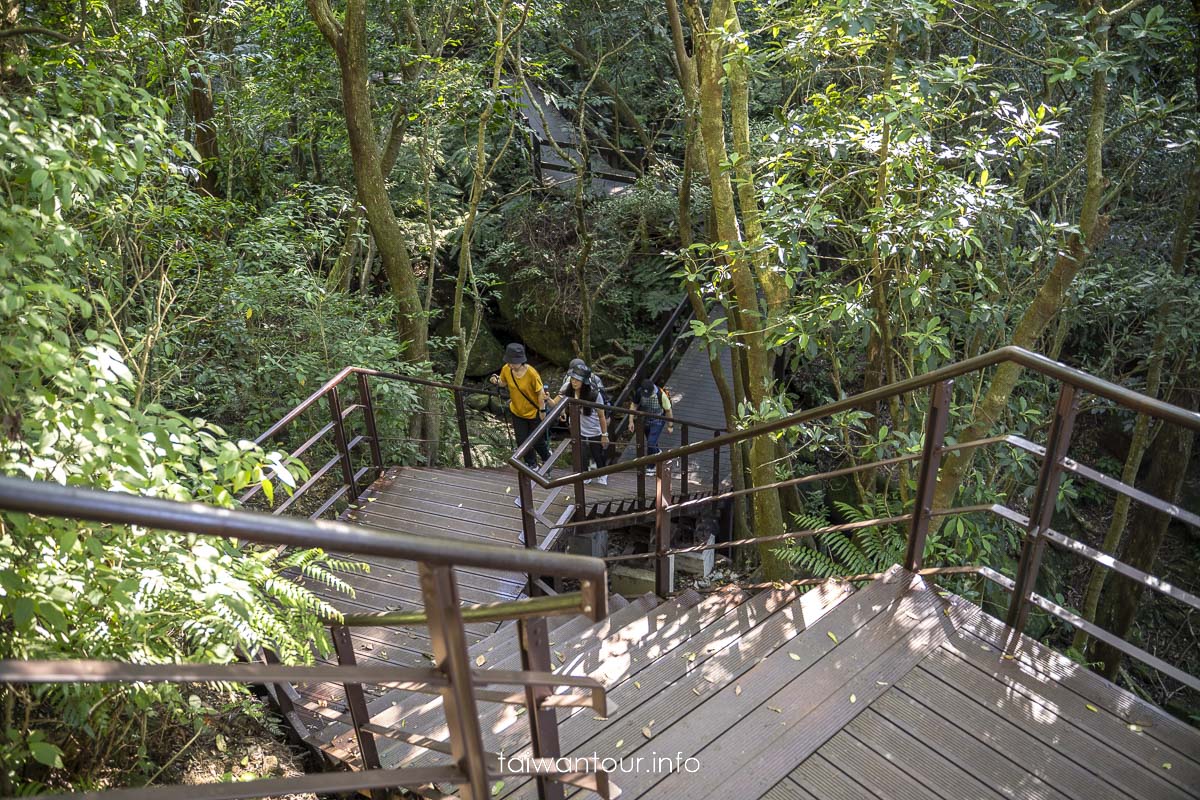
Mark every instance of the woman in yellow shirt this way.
pixel 527 399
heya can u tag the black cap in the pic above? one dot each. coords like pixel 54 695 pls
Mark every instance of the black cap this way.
pixel 515 354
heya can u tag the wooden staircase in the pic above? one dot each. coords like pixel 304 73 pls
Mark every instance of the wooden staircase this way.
pixel 897 689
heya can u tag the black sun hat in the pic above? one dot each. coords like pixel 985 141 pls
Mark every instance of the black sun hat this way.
pixel 515 354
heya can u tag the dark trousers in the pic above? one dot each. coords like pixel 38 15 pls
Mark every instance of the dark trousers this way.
pixel 654 429
pixel 521 429
pixel 594 452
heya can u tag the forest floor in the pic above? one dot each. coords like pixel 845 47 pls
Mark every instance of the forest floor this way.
pixel 237 747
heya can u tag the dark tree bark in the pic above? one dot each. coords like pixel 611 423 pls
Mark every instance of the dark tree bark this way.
pixel 200 99
pixel 1172 450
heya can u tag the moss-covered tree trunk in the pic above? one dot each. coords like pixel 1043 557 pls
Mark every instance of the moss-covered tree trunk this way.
pixel 1172 451
pixel 1051 294
pixel 348 38
pixel 709 59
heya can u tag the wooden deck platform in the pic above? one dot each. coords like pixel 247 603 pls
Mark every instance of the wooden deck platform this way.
pixel 471 505
pixel 894 691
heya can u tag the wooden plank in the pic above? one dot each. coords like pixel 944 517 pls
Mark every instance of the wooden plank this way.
pixel 788 789
pixel 815 702
pixel 827 782
pixel 876 773
pixel 1046 664
pixel 927 764
pixel 753 676
pixel 1110 757
pixel 1045 761
pixel 960 746
pixel 637 638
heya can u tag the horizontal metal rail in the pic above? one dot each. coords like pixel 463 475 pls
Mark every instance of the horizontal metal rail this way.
pixel 36 497
pixel 486 612
pixel 1093 630
pixel 1014 355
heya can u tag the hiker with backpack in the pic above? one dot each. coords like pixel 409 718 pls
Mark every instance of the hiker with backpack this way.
pixel 527 399
pixel 650 399
pixel 593 422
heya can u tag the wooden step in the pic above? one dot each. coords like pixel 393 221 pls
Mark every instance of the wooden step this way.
pixel 725 652
pixel 501 645
pixel 801 696
pixel 579 656
pixel 420 713
pixel 673 684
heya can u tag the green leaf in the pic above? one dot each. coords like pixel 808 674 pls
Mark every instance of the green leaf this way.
pixel 46 753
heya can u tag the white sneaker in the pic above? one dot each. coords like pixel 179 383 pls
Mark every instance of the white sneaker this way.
pixel 602 480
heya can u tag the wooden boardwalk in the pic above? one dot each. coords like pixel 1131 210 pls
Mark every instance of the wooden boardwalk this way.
pixel 895 691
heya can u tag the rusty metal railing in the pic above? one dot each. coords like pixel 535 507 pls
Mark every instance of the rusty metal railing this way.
pixel 353 479
pixel 453 675
pixel 1036 526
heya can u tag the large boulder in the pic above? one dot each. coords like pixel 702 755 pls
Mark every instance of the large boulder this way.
pixel 487 355
pixel 533 312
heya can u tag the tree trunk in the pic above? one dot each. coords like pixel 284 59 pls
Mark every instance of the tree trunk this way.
pixel 349 42
pixel 200 100
pixel 1172 451
pixel 1141 430
pixel 768 518
pixel 1051 295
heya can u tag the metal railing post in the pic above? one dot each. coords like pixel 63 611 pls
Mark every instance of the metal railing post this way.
pixel 1041 513
pixel 662 529
pixel 936 420
pixel 364 393
pixel 578 459
pixel 356 701
pixel 528 524
pixel 716 480
pixel 464 436
pixel 639 434
pixel 448 640
pixel 339 436
pixel 683 461
pixel 543 722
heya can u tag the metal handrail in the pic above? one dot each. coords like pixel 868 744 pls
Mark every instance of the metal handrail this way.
pixel 453 676
pixel 1036 527
pixel 51 499
pixel 1017 355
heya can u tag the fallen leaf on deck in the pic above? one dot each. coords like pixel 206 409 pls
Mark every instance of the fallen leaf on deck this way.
pixel 480 661
pixel 497 788
pixel 561 657
pixel 637 685
pixel 831 636
pixel 696 691
pixel 1092 708
pixel 793 656
pixel 690 656
pixel 1166 765
pixel 853 698
pixel 619 743
pixel 1135 728
pixel 776 710
pixel 737 689
pixel 646 732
